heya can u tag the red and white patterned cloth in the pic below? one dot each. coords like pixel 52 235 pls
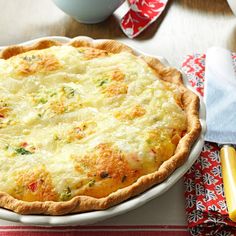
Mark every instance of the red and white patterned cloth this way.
pixel 205 202
pixel 140 15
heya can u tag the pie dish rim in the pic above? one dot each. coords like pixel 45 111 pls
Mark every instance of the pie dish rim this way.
pixel 102 214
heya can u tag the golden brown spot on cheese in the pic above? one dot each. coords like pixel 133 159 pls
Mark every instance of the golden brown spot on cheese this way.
pixel 116 88
pixel 34 185
pixel 4 108
pixel 58 107
pixel 31 64
pixel 118 75
pixel 108 170
pixel 138 111
pixel 160 144
pixel 4 111
pixel 81 130
pixel 135 112
pixel 78 133
pixel 109 159
pixel 91 53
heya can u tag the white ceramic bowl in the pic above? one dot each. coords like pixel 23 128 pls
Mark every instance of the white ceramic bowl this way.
pixel 232 4
pixel 88 11
pixel 95 216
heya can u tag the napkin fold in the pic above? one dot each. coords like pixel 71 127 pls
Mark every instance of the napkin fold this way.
pixel 205 202
pixel 140 15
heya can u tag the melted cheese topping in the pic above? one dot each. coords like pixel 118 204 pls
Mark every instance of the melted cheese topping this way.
pixel 70 116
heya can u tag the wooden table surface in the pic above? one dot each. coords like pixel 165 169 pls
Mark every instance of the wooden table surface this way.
pixel 187 26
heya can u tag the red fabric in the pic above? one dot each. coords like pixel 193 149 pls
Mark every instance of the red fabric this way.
pixel 140 15
pixel 205 202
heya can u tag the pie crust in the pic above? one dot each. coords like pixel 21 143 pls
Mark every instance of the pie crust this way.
pixel 77 204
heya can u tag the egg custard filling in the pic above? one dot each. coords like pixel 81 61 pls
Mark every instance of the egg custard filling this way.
pixel 80 121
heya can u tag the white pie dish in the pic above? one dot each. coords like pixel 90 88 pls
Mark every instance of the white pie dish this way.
pixel 92 217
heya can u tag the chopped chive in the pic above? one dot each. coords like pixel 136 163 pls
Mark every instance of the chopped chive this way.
pixel 69 92
pixel 66 194
pixel 103 82
pixel 91 182
pixel 22 151
pixel 43 100
pixel 53 94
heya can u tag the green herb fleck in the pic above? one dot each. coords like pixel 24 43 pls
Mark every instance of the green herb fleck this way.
pixel 29 58
pixel 53 94
pixel 56 137
pixel 103 82
pixel 91 182
pixel 39 115
pixel 43 100
pixel 22 151
pixel 70 92
pixel 149 141
pixel 26 58
pixel 66 194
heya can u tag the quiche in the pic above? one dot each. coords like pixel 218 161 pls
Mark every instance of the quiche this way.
pixel 87 125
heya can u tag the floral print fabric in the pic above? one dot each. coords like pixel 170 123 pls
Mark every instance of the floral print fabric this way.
pixel 205 202
pixel 140 15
